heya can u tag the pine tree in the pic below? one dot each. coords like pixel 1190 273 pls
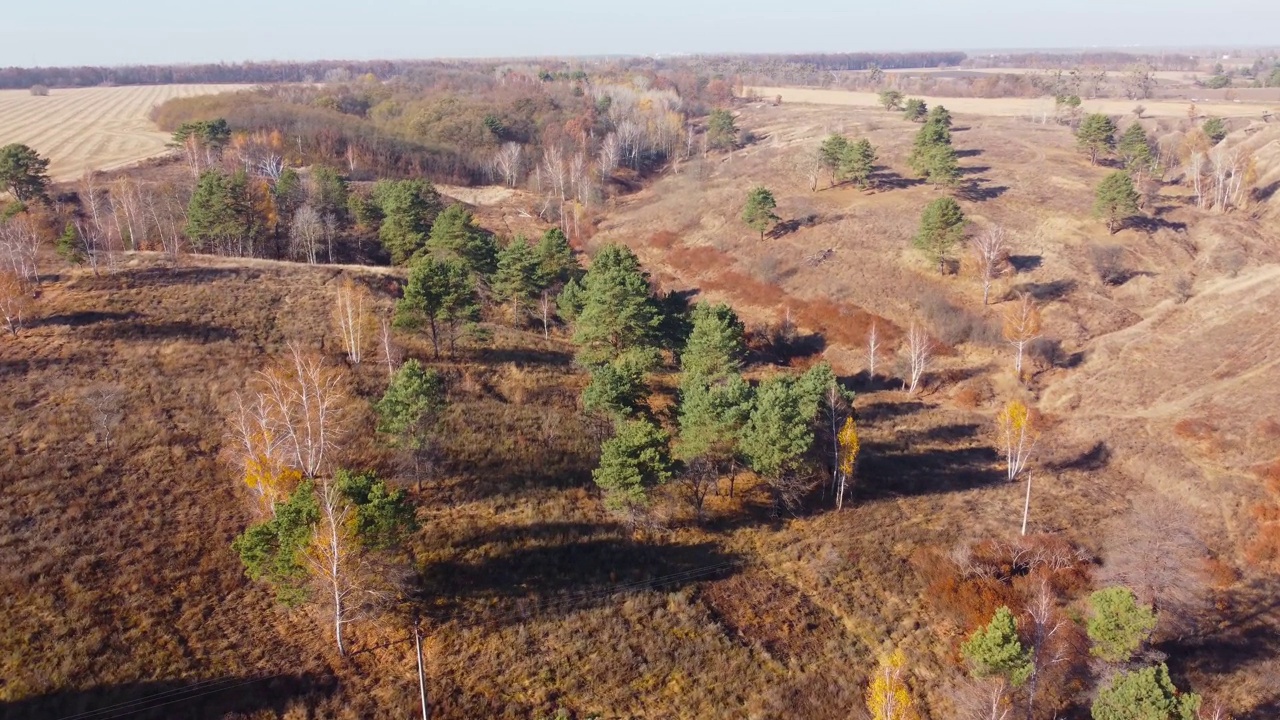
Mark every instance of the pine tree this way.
pixel 1096 135
pixel 617 388
pixel 408 208
pixel 414 398
pixel 915 110
pixel 858 162
pixel 273 550
pixel 1214 129
pixel 939 116
pixel 1134 149
pixel 891 99
pixel 556 262
pixel 68 245
pixel 384 519
pixel 1118 626
pixel 1145 694
pixel 1116 200
pixel 996 650
pixel 634 461
pixel 23 172
pixel 617 311
pixel 758 212
pixel 778 435
pixel 517 278
pixel 941 228
pixel 722 133
pixel 455 234
pixel 440 293
pixel 716 346
pixel 831 154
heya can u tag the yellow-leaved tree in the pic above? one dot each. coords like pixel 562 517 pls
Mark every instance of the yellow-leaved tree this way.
pixel 849 445
pixel 1018 434
pixel 887 696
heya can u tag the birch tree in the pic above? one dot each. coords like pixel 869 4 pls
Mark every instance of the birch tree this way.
pixel 887 696
pixel 919 354
pixel 990 250
pixel 15 298
pixel 351 313
pixel 307 403
pixel 306 234
pixel 389 352
pixel 506 163
pixel 1021 327
pixel 19 248
pixel 331 558
pixel 1018 438
pixel 873 350
pixel 848 453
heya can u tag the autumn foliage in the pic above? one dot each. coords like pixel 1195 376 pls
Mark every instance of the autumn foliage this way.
pixel 1265 548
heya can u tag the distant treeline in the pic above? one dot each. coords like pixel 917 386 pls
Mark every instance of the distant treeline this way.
pixel 1102 59
pixel 245 73
pixel 326 70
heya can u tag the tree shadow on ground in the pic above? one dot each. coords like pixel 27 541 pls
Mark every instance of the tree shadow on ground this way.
pixel 974 170
pixel 1025 263
pixel 969 152
pixel 1152 225
pixel 83 318
pixel 903 471
pixel 162 277
pixel 209 699
pixel 530 582
pixel 1244 636
pixel 161 331
pixel 523 356
pixel 975 191
pixel 786 227
pixel 1044 292
pixel 891 180
pixel 882 411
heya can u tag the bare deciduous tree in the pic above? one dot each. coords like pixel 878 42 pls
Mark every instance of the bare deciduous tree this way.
pixel 1049 642
pixel 545 305
pixel 610 155
pixel 390 353
pixel 919 353
pixel 306 233
pixel 1021 326
pixel 982 699
pixel 19 248
pixel 873 349
pixel 307 402
pixel 15 298
pixel 1156 550
pixel 105 404
pixel 332 557
pixel 990 250
pixel 351 313
pixel 506 163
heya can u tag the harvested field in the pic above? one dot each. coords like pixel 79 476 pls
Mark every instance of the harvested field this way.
pixel 91 128
pixel 1014 107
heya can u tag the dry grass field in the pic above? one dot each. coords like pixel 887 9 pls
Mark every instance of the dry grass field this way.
pixel 1020 107
pixel 120 584
pixel 98 128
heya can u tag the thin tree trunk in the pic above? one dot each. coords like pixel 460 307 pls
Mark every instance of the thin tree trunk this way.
pixel 422 681
pixel 1026 507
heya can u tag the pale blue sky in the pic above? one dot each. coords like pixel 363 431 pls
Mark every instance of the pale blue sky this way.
pixel 108 32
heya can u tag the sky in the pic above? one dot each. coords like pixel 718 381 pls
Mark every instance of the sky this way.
pixel 107 32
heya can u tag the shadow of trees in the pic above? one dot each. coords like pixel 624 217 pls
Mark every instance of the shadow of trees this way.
pixel 210 699
pixel 558 578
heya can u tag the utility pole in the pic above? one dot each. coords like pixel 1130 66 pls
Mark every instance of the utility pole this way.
pixel 422 681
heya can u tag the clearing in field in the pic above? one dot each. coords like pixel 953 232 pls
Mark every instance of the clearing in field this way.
pixel 91 128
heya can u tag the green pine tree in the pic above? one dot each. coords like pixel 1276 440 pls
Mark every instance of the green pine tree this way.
pixel 517 278
pixel 778 435
pixel 455 234
pixel 996 650
pixel 440 293
pixel 758 212
pixel 617 388
pixel 274 551
pixel 1134 149
pixel 1215 129
pixel 414 398
pixel 939 116
pixel 408 208
pixel 891 99
pixel 716 343
pixel 722 133
pixel 23 172
pixel 384 519
pixel 1096 135
pixel 557 264
pixel 831 154
pixel 858 162
pixel 68 245
pixel 634 461
pixel 1116 200
pixel 1118 626
pixel 617 311
pixel 941 228
pixel 1145 694
pixel 915 110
